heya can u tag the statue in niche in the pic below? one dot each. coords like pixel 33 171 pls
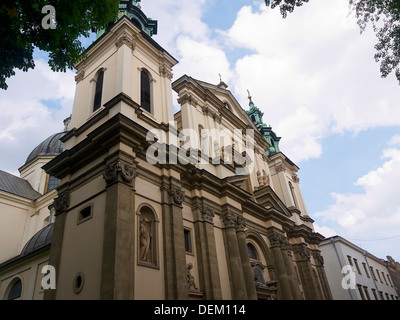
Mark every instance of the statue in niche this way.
pixel 189 277
pixel 204 142
pixel 145 239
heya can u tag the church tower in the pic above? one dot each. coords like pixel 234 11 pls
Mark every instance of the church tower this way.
pixel 123 90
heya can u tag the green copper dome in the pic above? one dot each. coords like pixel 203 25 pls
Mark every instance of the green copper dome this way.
pixel 133 11
pixel 256 115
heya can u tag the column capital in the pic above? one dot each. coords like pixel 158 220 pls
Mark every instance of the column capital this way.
pixel 177 196
pixel 61 203
pixel 228 219
pixel 119 169
pixel 207 213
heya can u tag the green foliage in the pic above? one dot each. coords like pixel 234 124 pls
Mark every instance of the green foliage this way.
pixel 383 15
pixel 21 31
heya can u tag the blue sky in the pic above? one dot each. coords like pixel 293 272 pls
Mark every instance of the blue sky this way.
pixel 312 74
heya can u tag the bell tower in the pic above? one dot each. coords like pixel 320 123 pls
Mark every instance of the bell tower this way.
pixel 123 90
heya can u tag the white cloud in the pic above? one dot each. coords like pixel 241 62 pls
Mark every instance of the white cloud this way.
pixel 315 60
pixel 373 215
pixel 31 109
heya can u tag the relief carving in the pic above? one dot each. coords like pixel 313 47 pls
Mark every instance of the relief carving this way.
pixel 190 279
pixel 125 39
pixel 116 169
pixel 240 223
pixel 229 219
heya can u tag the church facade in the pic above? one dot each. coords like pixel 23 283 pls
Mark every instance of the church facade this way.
pixel 152 204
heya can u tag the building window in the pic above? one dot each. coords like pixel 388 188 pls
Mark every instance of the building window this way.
pixel 389 280
pixel 85 214
pixel 361 292
pixel 356 264
pixel 383 275
pixel 145 100
pixel 16 290
pixel 252 251
pixel 350 261
pixel 365 269
pixel 188 240
pixel 372 271
pixel 99 91
pixel 366 293
pixel 381 295
pixel 52 183
pixel 387 296
pixel 379 276
pixel 374 293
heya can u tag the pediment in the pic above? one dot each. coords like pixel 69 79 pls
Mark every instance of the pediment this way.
pixel 267 198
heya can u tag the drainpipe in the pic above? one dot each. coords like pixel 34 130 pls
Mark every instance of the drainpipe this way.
pixel 340 263
pixel 372 275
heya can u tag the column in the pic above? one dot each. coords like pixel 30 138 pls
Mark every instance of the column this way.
pixel 319 263
pixel 207 254
pixel 118 267
pixel 173 241
pixel 238 286
pixel 287 258
pixel 244 256
pixel 284 289
pixel 308 281
pixel 61 204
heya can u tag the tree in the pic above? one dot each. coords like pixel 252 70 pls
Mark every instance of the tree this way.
pixel 383 15
pixel 54 26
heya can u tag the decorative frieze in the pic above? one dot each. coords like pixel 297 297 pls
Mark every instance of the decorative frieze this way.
pixel 119 169
pixel 61 203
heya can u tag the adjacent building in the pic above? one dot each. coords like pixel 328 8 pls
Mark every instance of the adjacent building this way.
pixel 355 274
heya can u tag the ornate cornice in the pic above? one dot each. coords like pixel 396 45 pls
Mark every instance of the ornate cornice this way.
pixel 119 169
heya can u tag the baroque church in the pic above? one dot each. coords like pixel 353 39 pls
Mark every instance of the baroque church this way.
pixel 135 201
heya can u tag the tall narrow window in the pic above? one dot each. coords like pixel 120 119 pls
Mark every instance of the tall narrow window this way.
pixel 145 91
pixel 99 91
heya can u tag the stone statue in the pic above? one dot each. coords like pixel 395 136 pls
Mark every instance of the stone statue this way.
pixel 145 239
pixel 259 178
pixel 190 279
pixel 265 178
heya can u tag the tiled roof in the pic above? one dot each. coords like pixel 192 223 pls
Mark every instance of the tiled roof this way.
pixel 15 185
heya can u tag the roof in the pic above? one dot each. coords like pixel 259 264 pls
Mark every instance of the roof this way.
pixel 15 185
pixel 52 146
pixel 41 239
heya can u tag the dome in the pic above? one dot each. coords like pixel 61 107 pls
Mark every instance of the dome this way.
pixel 52 146
pixel 41 239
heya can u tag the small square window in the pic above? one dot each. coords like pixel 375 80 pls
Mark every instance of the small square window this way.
pixel 85 214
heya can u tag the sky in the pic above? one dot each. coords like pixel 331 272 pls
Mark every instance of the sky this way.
pixel 312 74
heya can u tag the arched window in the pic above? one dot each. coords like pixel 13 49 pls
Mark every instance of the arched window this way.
pixel 252 251
pixel 16 290
pixel 145 99
pixel 99 91
pixel 293 194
